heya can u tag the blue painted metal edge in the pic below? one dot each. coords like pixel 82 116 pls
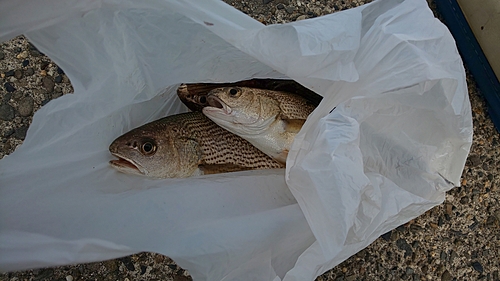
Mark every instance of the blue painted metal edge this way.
pixel 472 55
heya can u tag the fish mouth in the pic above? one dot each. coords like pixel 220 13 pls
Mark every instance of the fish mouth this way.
pixel 222 114
pixel 214 101
pixel 126 165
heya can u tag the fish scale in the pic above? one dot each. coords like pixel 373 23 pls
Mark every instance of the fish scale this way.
pixel 292 108
pixel 269 120
pixel 220 146
pixel 186 144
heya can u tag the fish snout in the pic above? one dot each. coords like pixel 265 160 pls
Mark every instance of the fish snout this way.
pixel 216 102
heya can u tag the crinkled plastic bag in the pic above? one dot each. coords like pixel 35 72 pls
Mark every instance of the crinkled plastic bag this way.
pixel 389 138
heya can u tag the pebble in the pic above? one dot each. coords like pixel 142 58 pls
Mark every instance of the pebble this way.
pixel 403 245
pixel 59 70
pixel 443 256
pixel 474 160
pixel 48 84
pixel 35 53
pixel 6 112
pixel 491 220
pixel 26 62
pixel 9 88
pixel 44 64
pixel 266 1
pixel 2 55
pixel 446 276
pixel 473 225
pixel 448 209
pixel 58 79
pixel 111 265
pixel 18 74
pixel 127 261
pixel 415 227
pixel 453 255
pixel 29 72
pixel 440 221
pixel 20 132
pixel 25 107
pixel 387 236
pixel 303 17
pixel 477 266
pixel 9 73
pixel 69 278
pixel 17 95
pixel 351 278
pixel 280 6
pixel 56 94
pixel 7 146
pixel 8 133
pixel 44 102
pixel 22 55
pixel 31 46
pixel 289 9
pixel 172 266
pixel 7 97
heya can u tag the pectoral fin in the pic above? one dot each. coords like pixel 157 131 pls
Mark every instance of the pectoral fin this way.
pixel 293 125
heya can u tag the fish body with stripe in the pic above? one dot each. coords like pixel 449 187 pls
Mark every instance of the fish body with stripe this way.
pixel 184 145
pixel 269 120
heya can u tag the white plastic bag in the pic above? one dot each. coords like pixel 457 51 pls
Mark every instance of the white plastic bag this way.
pixel 395 142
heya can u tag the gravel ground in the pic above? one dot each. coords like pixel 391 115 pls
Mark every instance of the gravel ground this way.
pixel 458 240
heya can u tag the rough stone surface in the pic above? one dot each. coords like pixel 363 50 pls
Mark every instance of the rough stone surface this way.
pixel 446 276
pixel 6 112
pixel 29 72
pixel 48 83
pixel 20 132
pixel 458 240
pixel 18 74
pixel 8 87
pixel 25 107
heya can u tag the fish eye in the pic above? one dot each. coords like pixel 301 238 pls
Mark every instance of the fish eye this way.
pixel 148 148
pixel 233 92
pixel 203 99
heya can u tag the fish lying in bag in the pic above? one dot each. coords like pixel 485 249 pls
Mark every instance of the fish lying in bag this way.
pixel 194 95
pixel 269 120
pixel 184 145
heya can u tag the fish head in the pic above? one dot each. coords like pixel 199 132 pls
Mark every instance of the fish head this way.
pixel 241 110
pixel 154 151
pixel 194 100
